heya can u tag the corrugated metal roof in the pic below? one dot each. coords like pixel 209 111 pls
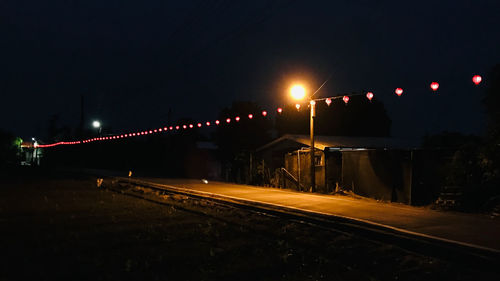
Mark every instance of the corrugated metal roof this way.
pixel 322 142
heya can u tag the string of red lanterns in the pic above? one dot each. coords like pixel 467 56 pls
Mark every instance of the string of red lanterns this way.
pixel 147 132
pixel 476 79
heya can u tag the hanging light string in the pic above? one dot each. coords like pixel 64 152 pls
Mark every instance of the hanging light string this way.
pixel 476 79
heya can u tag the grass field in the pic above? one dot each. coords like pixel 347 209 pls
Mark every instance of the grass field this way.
pixel 64 227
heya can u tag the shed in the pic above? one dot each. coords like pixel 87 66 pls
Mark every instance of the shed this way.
pixel 380 168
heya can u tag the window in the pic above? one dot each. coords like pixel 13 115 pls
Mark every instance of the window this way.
pixel 317 160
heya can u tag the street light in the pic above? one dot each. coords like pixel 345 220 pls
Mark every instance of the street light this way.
pixel 96 124
pixel 298 92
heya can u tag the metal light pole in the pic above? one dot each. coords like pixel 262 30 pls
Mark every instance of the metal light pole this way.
pixel 298 92
pixel 313 172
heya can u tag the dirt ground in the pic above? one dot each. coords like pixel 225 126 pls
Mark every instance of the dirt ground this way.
pixel 64 227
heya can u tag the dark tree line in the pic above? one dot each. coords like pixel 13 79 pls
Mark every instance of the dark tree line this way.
pixel 359 117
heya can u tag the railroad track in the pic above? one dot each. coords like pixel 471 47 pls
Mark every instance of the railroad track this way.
pixel 460 253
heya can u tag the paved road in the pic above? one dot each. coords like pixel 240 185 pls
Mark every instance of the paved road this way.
pixel 475 229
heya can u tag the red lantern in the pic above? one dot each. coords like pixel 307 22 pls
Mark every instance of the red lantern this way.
pixel 171 128
pixel 190 126
pixel 399 91
pixel 166 129
pixel 208 123
pixel 250 116
pixel 156 131
pixel 434 86
pixel 280 110
pixel 264 113
pixel 328 101
pixel 345 99
pixel 477 79
pixel 199 125
pixel 237 118
pixel 297 106
pixel 160 129
pixel 150 132
pixel 217 122
pixel 369 96
pixel 228 120
pixel 184 127
pixel 177 127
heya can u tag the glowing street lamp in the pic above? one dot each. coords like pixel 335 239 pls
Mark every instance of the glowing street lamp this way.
pixel 96 124
pixel 298 92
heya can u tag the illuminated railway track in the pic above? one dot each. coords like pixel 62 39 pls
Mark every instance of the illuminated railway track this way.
pixel 469 255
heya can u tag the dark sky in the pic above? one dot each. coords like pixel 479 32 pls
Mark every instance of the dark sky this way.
pixel 135 60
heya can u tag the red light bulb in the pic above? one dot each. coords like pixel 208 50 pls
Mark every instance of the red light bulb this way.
pixel 297 106
pixel 477 79
pixel 328 101
pixel 228 120
pixel 217 122
pixel 369 96
pixel 264 113
pixel 434 86
pixel 280 110
pixel 398 91
pixel 345 99
pixel 250 116
pixel 208 123
pixel 237 118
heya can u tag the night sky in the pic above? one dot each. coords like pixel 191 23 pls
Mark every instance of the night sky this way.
pixel 135 60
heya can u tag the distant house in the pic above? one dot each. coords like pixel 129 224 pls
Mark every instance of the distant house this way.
pixel 381 168
pixel 31 154
pixel 202 161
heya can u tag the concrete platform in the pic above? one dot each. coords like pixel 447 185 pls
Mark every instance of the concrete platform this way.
pixel 475 230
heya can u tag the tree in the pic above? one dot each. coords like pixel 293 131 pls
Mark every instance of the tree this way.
pixel 10 149
pixel 491 103
pixel 246 134
pixel 360 117
pixel 237 139
pixel 489 156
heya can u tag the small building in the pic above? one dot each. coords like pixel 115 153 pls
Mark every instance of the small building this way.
pixel 202 161
pixel 31 154
pixel 380 168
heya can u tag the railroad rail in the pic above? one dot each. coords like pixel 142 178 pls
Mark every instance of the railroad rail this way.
pixel 450 250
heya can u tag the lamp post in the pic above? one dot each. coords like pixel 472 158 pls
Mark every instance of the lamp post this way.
pixel 96 124
pixel 298 92
pixel 313 172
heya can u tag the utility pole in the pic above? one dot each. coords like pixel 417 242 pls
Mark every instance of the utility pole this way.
pixel 313 172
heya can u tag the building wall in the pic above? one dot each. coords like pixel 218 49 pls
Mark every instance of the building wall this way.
pixel 379 174
pixel 302 171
